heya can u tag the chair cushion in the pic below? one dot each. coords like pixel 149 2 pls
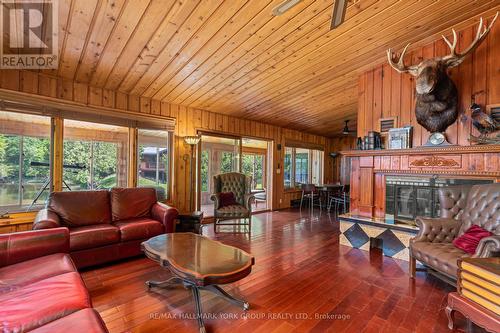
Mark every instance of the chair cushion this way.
pixel 93 236
pixel 30 271
pixel 80 208
pixel 39 303
pixel 440 256
pixel 232 211
pixel 469 241
pixel 227 199
pixel 87 320
pixel 128 203
pixel 139 228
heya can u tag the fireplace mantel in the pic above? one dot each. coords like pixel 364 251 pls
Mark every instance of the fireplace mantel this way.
pixel 370 167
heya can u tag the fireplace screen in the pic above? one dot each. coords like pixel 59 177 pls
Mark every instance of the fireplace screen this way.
pixel 409 197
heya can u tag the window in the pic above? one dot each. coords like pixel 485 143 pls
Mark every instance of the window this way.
pixel 154 160
pixel 24 160
pixel 302 166
pixel 253 165
pixel 94 156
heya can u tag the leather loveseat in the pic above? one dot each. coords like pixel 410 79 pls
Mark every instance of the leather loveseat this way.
pixel 461 207
pixel 106 225
pixel 40 289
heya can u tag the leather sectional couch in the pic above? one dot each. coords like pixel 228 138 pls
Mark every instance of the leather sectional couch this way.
pixel 40 289
pixel 461 207
pixel 106 225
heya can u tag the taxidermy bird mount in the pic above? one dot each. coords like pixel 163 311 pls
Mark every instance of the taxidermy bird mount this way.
pixel 485 124
pixel 436 105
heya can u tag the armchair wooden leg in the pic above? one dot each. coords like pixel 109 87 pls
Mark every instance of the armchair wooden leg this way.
pixel 413 267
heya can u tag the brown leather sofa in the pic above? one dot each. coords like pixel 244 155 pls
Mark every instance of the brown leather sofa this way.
pixel 40 289
pixel 461 207
pixel 107 225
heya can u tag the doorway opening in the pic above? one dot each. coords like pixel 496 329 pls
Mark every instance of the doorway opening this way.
pixel 223 154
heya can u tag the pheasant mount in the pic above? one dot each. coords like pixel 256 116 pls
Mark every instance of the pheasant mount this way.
pixel 436 105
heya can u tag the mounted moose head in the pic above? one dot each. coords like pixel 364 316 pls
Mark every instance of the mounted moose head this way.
pixel 437 97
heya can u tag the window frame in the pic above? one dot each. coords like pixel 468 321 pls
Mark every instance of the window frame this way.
pixel 293 164
pixel 56 156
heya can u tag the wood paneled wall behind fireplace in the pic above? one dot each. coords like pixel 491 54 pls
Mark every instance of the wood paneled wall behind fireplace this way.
pixel 189 120
pixel 385 93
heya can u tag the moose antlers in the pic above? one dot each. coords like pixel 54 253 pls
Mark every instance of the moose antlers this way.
pixel 451 60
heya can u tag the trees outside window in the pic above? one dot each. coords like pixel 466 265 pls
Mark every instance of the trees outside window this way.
pixel 153 159
pixel 253 165
pixel 302 166
pixel 24 159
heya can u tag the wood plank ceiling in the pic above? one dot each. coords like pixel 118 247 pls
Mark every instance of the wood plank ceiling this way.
pixel 235 57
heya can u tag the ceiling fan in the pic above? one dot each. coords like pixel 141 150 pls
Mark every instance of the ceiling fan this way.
pixel 338 16
pixel 346 130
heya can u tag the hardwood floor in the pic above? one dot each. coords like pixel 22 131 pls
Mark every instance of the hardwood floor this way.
pixel 303 281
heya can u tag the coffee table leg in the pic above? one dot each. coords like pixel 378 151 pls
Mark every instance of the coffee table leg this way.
pixel 163 284
pixel 222 293
pixel 197 305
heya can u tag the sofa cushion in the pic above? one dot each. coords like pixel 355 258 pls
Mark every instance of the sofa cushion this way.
pixel 39 303
pixel 139 228
pixel 80 208
pixel 86 320
pixel 30 271
pixel 128 203
pixel 440 256
pixel 227 199
pixel 93 236
pixel 469 241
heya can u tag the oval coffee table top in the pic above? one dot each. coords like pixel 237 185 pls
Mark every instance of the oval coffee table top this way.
pixel 198 258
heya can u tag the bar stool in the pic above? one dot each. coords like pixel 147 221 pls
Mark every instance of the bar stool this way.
pixel 309 192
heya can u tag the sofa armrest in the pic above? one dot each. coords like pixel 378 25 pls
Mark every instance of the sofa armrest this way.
pixel 46 219
pixel 22 246
pixel 248 200
pixel 215 198
pixel 436 230
pixel 165 214
pixel 488 247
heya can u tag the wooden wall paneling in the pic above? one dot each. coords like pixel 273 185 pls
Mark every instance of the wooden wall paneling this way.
pixel 378 91
pixel 416 57
pixel 427 53
pixel 474 78
pixel 355 185
pixel 387 73
pixel 29 82
pixel 493 75
pixel 379 195
pixel 366 183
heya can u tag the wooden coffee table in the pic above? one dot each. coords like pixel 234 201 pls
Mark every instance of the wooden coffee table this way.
pixel 199 263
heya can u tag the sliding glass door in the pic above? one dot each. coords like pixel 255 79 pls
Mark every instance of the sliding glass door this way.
pixel 218 155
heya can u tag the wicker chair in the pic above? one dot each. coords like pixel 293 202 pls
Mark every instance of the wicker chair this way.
pixel 240 185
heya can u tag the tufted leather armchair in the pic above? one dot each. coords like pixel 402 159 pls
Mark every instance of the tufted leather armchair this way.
pixel 461 207
pixel 240 185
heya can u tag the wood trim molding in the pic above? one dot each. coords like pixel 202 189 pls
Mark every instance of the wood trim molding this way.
pixel 434 161
pixel 424 150
pixel 491 174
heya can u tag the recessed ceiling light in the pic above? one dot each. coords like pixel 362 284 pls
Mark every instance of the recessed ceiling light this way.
pixel 284 6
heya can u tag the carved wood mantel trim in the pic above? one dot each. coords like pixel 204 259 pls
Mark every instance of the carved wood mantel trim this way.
pixel 434 161
pixel 425 150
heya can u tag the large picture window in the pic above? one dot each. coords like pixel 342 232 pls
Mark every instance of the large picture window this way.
pixel 95 156
pixel 24 160
pixel 154 160
pixel 302 166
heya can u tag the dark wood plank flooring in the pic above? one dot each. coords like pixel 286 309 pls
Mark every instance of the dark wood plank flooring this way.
pixel 303 281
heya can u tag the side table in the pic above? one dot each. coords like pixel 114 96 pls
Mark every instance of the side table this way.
pixel 190 222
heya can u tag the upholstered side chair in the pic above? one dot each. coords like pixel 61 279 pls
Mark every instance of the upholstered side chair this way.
pixel 461 207
pixel 240 185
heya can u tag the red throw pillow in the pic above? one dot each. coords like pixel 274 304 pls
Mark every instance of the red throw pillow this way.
pixel 227 199
pixel 469 241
